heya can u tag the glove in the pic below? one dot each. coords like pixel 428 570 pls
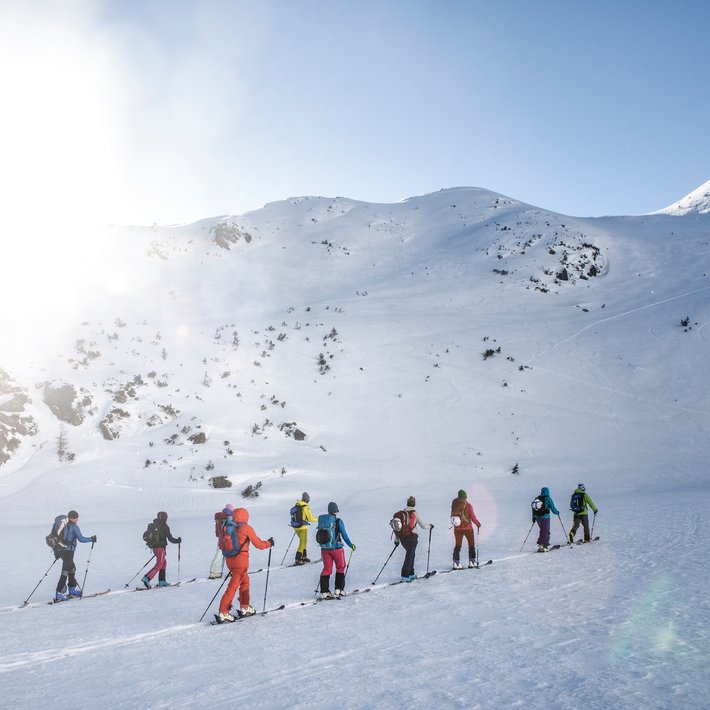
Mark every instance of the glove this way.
pixel 396 542
pixel 431 526
pixel 93 538
pixel 271 540
pixel 179 540
pixel 479 526
pixel 353 548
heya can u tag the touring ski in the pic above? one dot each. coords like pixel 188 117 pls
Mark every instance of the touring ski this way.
pixel 83 596
pixel 582 542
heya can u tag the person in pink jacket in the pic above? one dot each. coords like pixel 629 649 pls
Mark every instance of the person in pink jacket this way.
pixel 463 519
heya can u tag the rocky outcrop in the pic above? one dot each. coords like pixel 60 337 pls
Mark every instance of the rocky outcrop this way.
pixel 66 403
pixel 15 422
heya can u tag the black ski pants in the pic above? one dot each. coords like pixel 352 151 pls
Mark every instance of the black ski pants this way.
pixel 68 570
pixel 409 543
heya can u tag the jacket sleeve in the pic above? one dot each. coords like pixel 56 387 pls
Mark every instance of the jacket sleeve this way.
pixel 421 523
pixel 79 536
pixel 552 506
pixel 256 540
pixel 168 535
pixel 308 516
pixel 344 533
pixel 590 502
pixel 472 515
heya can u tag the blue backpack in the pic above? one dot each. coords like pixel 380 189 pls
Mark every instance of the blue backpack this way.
pixel 328 532
pixel 228 539
pixel 297 516
pixel 576 502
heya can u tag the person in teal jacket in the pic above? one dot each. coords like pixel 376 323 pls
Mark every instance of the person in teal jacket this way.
pixel 542 518
pixel 332 551
pixel 581 516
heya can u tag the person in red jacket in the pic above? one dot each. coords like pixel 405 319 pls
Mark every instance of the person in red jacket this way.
pixel 241 534
pixel 463 519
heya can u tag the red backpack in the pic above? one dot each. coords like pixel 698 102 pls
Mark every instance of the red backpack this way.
pixel 228 538
pixel 219 521
pixel 403 522
pixel 459 509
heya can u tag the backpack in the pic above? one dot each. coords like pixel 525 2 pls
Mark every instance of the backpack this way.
pixel 228 539
pixel 219 521
pixel 459 510
pixel 576 502
pixel 328 532
pixel 401 523
pixel 539 507
pixel 297 516
pixel 57 535
pixel 151 536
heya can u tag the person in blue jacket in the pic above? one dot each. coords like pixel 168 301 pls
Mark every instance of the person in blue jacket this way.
pixel 541 516
pixel 330 536
pixel 70 536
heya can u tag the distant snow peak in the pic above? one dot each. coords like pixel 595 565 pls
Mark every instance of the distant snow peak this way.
pixel 697 202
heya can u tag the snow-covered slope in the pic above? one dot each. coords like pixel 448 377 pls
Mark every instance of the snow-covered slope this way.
pixel 367 352
pixel 696 202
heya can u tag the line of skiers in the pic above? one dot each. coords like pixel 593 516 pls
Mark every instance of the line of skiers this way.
pixel 235 535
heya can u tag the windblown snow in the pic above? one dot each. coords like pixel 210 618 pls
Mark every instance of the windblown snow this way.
pixel 366 353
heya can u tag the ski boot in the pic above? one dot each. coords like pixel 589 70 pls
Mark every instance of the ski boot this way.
pixel 247 610
pixel 339 593
pixel 571 538
pixel 472 564
pixel 327 595
pixel 299 559
pixel 225 618
pixel 163 583
pixel 74 592
pixel 304 559
pixel 59 597
pixel 457 565
pixel 146 582
pixel 215 576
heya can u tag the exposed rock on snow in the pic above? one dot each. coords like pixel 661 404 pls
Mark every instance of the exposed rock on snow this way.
pixel 66 403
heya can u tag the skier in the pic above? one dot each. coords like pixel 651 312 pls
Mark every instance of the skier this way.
pixel 463 519
pixel 241 534
pixel 65 552
pixel 582 515
pixel 542 518
pixel 219 519
pixel 307 518
pixel 158 545
pixel 409 538
pixel 330 536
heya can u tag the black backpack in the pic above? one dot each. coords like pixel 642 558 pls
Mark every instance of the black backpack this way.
pixel 151 536
pixel 297 516
pixel 57 536
pixel 576 502
pixel 539 506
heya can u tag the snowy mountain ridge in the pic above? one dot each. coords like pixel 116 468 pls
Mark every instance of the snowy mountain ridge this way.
pixel 364 353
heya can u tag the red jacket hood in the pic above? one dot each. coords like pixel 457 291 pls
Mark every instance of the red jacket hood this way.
pixel 240 515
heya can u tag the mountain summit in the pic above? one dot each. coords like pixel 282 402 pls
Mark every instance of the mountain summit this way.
pixel 696 202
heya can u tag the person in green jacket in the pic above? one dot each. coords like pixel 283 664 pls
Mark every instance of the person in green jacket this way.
pixel 302 531
pixel 578 505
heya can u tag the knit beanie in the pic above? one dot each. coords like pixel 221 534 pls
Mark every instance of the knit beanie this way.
pixel 462 493
pixel 411 501
pixel 305 497
pixel 228 509
pixel 72 514
pixel 333 508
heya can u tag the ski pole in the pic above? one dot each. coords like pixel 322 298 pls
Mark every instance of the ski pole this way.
pixel 140 570
pixel 563 529
pixel 289 547
pixel 266 587
pixel 527 536
pixel 347 566
pixel 229 574
pixel 594 520
pixel 88 561
pixel 396 545
pixel 478 547
pixel 428 550
pixel 24 603
pixel 179 545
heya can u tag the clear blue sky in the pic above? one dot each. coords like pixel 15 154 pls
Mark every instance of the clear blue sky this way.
pixel 173 110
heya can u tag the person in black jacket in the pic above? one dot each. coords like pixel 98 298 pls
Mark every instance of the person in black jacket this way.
pixel 158 536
